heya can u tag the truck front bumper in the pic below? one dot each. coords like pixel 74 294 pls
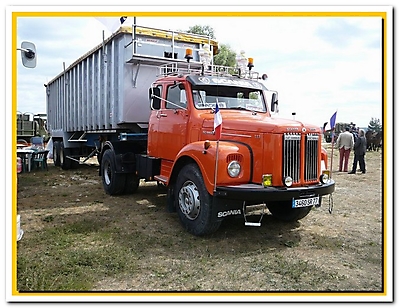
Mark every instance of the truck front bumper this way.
pixel 258 193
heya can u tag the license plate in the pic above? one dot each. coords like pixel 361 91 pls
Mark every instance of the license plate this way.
pixel 305 202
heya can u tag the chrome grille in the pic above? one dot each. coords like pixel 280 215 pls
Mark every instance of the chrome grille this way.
pixel 311 157
pixel 292 156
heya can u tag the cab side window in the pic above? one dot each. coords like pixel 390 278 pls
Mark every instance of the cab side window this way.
pixel 176 97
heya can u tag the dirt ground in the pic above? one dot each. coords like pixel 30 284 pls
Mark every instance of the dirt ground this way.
pixel 345 245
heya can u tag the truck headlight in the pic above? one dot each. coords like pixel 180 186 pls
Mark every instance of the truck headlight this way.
pixel 325 176
pixel 288 181
pixel 234 168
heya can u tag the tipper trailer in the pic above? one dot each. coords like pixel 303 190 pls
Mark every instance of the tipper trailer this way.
pixel 144 101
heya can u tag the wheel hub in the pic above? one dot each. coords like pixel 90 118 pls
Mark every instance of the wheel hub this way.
pixel 107 173
pixel 189 202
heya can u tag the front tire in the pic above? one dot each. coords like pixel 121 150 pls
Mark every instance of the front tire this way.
pixel 114 183
pixel 193 202
pixel 284 211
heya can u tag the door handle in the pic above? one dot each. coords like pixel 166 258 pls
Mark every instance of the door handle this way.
pixel 159 115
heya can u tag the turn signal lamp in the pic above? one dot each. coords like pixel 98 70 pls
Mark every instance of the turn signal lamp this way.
pixel 267 180
pixel 207 145
pixel 189 54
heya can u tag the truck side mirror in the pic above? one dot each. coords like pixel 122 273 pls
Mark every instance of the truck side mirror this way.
pixel 154 96
pixel 274 102
pixel 28 54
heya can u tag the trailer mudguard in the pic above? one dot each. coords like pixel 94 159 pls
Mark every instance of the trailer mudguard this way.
pixel 124 155
pixel 225 151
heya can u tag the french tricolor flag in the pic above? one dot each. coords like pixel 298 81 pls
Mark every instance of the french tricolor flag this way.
pixel 217 124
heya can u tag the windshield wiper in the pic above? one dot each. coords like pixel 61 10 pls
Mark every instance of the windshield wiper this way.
pixel 238 108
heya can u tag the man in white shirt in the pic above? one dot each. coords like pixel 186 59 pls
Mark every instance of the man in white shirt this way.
pixel 345 144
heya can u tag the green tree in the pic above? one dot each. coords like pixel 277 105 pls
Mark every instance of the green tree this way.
pixel 202 30
pixel 375 125
pixel 226 56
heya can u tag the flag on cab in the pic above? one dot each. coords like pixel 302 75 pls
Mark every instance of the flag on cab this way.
pixel 217 123
pixel 331 124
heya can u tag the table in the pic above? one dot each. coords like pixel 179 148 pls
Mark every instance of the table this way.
pixel 26 157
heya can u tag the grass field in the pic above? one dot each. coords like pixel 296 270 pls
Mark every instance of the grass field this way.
pixel 77 239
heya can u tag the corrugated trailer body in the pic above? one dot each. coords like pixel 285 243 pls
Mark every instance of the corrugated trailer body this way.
pixel 107 88
pixel 97 92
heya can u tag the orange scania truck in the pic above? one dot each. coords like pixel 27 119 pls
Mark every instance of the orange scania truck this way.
pixel 144 101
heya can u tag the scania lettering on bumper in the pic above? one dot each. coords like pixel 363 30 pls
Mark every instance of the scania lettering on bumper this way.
pixel 229 213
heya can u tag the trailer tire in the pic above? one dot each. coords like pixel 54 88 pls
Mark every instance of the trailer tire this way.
pixel 131 184
pixel 114 183
pixel 193 202
pixel 283 211
pixel 56 153
pixel 65 162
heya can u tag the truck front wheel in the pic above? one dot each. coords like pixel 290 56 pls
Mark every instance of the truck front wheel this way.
pixel 193 202
pixel 114 183
pixel 284 211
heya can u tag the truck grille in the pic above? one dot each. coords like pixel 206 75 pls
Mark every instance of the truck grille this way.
pixel 311 157
pixel 292 152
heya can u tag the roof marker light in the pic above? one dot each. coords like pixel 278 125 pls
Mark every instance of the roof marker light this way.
pixel 189 54
pixel 250 63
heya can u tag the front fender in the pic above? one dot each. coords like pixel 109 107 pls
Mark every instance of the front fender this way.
pixel 324 157
pixel 206 161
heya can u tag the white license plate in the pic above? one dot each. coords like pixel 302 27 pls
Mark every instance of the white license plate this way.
pixel 305 202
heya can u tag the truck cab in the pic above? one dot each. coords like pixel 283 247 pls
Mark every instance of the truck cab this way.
pixel 259 160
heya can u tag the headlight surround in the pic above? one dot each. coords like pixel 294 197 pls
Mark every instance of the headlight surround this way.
pixel 234 169
pixel 288 181
pixel 325 176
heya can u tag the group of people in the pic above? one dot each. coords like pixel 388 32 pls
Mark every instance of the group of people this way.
pixel 348 141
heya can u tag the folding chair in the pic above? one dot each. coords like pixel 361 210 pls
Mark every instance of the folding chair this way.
pixel 40 159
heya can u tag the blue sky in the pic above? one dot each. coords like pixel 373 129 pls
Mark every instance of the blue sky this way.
pixel 318 65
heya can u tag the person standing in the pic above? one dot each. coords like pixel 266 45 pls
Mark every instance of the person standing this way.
pixel 344 143
pixel 359 148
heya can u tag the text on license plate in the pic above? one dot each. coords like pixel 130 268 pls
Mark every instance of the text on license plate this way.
pixel 305 202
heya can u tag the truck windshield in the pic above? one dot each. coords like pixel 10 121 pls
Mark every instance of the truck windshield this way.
pixel 206 97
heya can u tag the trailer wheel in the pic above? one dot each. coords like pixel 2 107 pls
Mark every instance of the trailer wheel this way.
pixel 114 183
pixel 284 211
pixel 193 202
pixel 131 184
pixel 65 162
pixel 56 153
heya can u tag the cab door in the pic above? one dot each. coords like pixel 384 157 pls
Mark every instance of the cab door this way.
pixel 172 120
